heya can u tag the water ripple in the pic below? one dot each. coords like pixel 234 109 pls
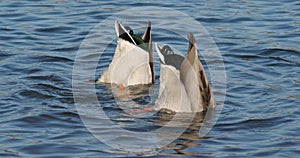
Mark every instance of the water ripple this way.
pixel 259 41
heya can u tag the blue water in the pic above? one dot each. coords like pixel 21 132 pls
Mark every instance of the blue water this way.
pixel 259 42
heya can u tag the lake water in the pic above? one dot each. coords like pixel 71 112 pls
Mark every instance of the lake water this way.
pixel 259 43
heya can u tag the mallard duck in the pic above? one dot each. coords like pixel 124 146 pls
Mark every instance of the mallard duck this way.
pixel 132 63
pixel 184 86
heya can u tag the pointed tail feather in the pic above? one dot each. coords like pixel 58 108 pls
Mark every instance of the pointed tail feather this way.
pixel 121 31
pixel 147 38
pixel 147 34
pixel 203 83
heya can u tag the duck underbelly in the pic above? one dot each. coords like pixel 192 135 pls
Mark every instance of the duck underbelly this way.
pixel 172 94
pixel 130 66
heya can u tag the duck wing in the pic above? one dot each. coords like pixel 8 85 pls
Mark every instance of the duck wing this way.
pixel 194 78
pixel 168 57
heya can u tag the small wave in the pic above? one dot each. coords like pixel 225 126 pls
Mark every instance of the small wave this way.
pixel 207 19
pixel 285 55
pixel 51 78
pixel 238 19
pixel 33 94
pixel 4 55
pixel 57 29
pixel 279 52
pixel 46 58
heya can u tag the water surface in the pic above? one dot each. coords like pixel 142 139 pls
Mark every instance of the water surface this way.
pixel 259 42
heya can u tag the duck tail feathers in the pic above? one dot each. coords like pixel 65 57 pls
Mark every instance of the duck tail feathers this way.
pixel 121 31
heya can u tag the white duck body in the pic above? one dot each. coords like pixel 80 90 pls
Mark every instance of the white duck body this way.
pixel 172 94
pixel 131 63
pixel 196 93
pixel 130 66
